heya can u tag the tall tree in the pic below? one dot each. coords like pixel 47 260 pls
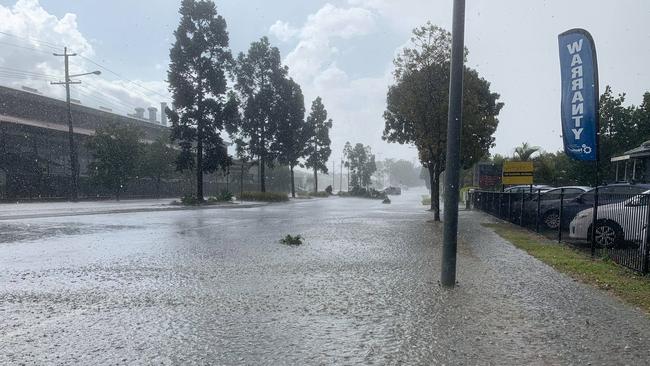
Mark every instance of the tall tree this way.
pixel 260 76
pixel 318 147
pixel 293 133
pixel 202 106
pixel 362 166
pixel 417 104
pixel 116 151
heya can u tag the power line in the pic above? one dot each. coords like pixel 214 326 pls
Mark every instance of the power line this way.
pixel 25 47
pixel 29 38
pixel 58 46
pixel 122 77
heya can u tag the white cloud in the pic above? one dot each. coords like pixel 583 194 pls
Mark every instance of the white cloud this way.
pixel 33 35
pixel 355 104
pixel 283 31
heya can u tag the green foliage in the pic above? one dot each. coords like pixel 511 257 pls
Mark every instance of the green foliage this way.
pixel 319 194
pixel 292 240
pixel 328 190
pixel 417 105
pixel 367 193
pixel 426 200
pixel 361 163
pixel 224 196
pixel 525 151
pixel 318 148
pixel 202 106
pixel 386 200
pixel 293 132
pixel 116 151
pixel 189 200
pixel 264 196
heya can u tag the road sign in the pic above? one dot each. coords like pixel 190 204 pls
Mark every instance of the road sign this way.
pixel 517 172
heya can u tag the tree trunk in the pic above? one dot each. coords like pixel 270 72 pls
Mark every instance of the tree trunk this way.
pixel 158 179
pixel 199 164
pixel 293 186
pixel 262 174
pixel 435 192
pixel 431 183
pixel 315 180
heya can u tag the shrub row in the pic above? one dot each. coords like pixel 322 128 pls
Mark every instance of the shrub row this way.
pixel 264 196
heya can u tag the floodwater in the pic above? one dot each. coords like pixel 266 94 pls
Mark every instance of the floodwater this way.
pixel 215 286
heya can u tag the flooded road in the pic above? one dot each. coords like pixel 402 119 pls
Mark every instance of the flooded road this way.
pixel 216 287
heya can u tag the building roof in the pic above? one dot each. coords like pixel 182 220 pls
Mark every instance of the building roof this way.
pixel 640 152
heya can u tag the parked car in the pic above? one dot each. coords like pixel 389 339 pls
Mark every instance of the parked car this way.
pixel 393 190
pixel 616 222
pixel 530 206
pixel 527 188
pixel 612 193
pixel 514 195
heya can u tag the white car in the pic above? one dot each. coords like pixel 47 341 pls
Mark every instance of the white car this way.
pixel 616 223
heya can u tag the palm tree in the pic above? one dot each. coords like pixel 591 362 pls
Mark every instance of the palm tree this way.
pixel 525 151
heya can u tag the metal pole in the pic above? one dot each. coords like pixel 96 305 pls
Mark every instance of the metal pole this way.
pixel 646 239
pixel 594 218
pixel 559 225
pixel 539 200
pixel 452 168
pixel 521 207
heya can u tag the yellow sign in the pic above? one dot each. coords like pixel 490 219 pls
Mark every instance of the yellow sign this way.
pixel 517 172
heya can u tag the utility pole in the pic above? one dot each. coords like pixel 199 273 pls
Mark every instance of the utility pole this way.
pixel 452 169
pixel 74 161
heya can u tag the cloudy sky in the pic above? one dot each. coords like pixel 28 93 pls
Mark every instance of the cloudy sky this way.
pixel 341 50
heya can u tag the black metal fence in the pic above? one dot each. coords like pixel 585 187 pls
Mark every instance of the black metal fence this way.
pixel 622 229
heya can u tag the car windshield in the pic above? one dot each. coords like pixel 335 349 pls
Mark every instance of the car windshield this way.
pixel 323 182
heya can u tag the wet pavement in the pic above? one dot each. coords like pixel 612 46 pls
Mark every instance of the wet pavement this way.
pixel 215 287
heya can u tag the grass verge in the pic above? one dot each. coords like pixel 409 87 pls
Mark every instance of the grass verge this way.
pixel 604 274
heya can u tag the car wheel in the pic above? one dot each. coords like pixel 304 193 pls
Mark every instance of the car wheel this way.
pixel 551 219
pixel 608 234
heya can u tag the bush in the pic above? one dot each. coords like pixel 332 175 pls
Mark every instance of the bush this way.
pixel 426 200
pixel 292 240
pixel 367 193
pixel 328 190
pixel 319 194
pixel 386 200
pixel 224 196
pixel 189 200
pixel 264 196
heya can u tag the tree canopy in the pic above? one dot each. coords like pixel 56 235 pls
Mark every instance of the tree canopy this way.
pixel 318 146
pixel 260 80
pixel 417 105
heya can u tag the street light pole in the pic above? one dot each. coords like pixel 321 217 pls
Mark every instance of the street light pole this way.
pixel 452 168
pixel 74 160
